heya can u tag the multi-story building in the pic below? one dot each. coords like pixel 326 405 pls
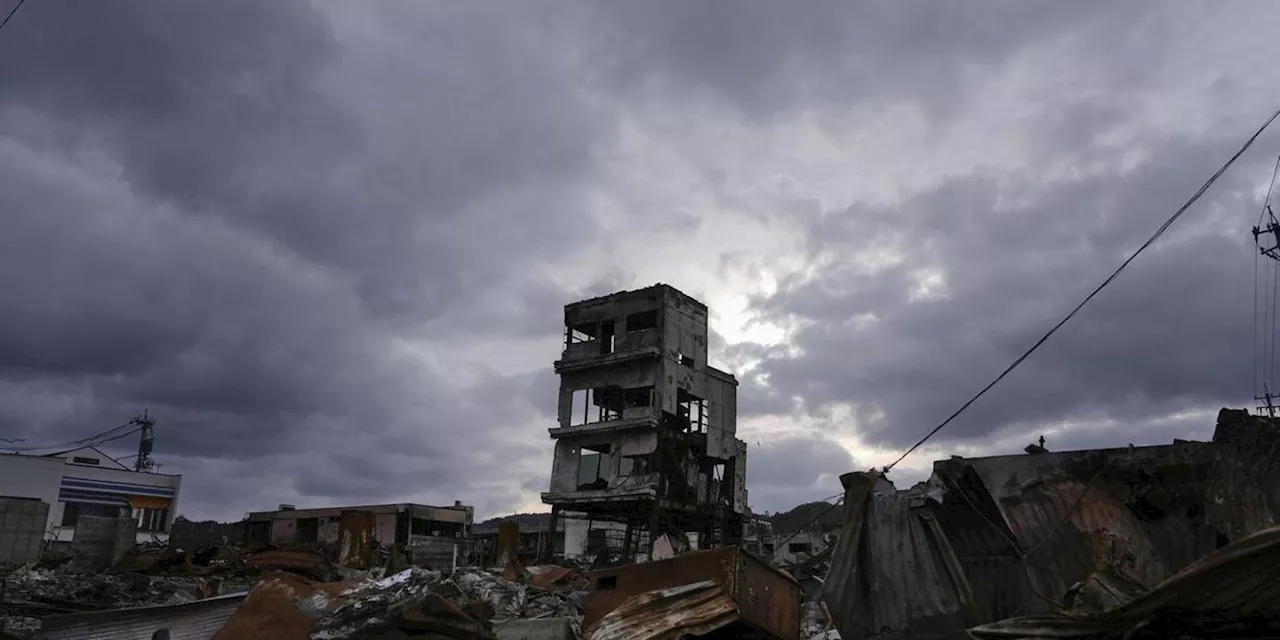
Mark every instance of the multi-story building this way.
pixel 646 439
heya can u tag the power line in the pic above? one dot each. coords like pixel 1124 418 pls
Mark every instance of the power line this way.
pixel 93 440
pixel 1159 232
pixel 13 11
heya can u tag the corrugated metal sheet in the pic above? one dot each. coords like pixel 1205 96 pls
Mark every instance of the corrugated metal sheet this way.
pixel 1139 511
pixel 668 614
pixel 198 620
pixel 1237 584
pixel 987 549
pixel 893 571
pixel 767 598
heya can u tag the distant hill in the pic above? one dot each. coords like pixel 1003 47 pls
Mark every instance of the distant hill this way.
pixel 527 521
pixel 801 516
pixel 783 523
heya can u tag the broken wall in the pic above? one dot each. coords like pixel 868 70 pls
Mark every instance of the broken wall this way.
pixel 99 543
pixel 21 529
pixel 722 414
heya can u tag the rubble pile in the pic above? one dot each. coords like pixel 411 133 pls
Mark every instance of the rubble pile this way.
pixel 815 624
pixel 58 591
pixel 467 605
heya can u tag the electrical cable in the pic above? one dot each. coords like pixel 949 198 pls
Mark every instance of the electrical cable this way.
pixel 1156 236
pixel 93 440
pixel 13 11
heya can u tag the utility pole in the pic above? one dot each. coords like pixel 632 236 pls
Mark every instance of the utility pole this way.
pixel 1267 401
pixel 145 423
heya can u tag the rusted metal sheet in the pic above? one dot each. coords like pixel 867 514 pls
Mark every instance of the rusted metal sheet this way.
pixel 355 539
pixel 767 599
pixel 1232 589
pixel 304 562
pixel 1138 511
pixel 893 571
pixel 668 614
pixel 197 620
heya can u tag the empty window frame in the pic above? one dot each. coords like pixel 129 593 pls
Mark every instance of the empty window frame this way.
pixel 71 511
pixel 591 468
pixel 642 321
pixel 596 405
pixel 152 520
pixel 604 334
pixel 603 404
pixel 579 333
pixel 638 397
pixel 692 408
pixel 608 337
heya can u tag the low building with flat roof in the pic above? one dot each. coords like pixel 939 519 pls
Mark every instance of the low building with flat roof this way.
pixel 87 482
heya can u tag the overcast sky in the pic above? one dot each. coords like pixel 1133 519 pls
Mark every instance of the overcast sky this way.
pixel 327 244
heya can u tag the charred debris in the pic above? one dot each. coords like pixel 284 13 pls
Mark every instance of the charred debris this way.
pixel 1161 541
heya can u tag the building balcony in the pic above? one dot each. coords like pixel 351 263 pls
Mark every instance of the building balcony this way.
pixel 595 352
pixel 631 489
pixel 631 418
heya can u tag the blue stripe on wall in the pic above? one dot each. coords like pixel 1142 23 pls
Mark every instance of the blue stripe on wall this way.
pixel 93 496
pixel 116 487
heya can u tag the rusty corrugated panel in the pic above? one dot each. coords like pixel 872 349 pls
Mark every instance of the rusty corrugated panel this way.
pixel 987 549
pixel 1234 586
pixel 890 573
pixel 768 599
pixel 198 620
pixel 355 538
pixel 668 614
pixel 1138 511
pixel 304 562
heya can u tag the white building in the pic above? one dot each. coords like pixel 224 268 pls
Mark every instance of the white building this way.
pixel 86 481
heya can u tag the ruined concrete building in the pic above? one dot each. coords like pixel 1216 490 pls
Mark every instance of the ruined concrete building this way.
pixel 646 438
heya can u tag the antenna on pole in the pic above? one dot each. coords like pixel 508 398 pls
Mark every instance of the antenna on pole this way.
pixel 145 423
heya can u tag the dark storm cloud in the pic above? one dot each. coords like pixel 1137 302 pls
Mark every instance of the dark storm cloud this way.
pixel 229 214
pixel 286 231
pixel 1172 333
pixel 785 471
pixel 763 56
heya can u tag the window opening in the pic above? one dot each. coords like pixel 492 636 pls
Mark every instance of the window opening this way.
pixel 692 410
pixel 607 338
pixel 71 511
pixel 638 397
pixel 642 321
pixel 580 333
pixel 591 469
